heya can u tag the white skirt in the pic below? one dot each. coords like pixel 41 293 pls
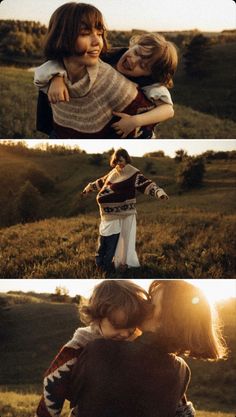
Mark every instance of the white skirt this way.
pixel 125 251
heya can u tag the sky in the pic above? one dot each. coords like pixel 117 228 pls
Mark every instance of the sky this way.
pixel 215 289
pixel 152 15
pixel 140 147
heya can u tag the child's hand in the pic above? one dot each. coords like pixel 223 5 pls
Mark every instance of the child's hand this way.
pixel 58 91
pixel 125 125
pixel 161 194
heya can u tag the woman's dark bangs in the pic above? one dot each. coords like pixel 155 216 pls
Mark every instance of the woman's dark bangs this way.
pixel 93 19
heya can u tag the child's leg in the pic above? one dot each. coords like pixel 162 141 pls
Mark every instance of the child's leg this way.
pixel 101 249
pixel 111 243
pixel 106 250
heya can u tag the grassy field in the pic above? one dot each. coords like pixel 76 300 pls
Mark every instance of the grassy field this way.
pixel 26 353
pixel 14 404
pixel 203 108
pixel 190 236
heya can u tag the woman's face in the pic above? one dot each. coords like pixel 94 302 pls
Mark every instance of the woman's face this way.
pixel 153 323
pixel 135 62
pixel 90 43
pixel 121 163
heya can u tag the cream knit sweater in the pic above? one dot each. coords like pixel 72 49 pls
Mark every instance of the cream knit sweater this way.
pixel 93 99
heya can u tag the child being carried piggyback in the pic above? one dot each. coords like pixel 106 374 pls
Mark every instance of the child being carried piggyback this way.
pixel 150 62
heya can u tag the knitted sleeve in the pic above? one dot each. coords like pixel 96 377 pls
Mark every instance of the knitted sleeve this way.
pixel 185 410
pixel 56 383
pixel 148 187
pixel 98 184
pixel 57 379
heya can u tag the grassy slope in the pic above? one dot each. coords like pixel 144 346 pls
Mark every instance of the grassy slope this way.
pixel 33 333
pixel 204 109
pixel 192 235
pixel 214 94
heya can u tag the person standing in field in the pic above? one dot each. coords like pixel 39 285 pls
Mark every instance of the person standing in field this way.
pixel 117 204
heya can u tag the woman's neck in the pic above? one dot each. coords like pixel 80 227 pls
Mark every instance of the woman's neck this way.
pixel 74 69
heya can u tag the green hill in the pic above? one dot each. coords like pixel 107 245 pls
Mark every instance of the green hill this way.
pixel 190 236
pixel 32 333
pixel 214 94
pixel 203 108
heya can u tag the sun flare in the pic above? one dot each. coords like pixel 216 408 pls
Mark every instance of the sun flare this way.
pixel 215 290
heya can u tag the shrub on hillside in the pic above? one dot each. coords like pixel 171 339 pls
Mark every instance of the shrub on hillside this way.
pixel 28 203
pixel 190 172
pixel 180 155
pixel 197 57
pixel 40 180
pixel 156 154
pixel 96 159
pixel 148 167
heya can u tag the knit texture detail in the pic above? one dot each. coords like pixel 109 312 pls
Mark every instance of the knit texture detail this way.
pixel 94 98
pixel 56 383
pixel 117 191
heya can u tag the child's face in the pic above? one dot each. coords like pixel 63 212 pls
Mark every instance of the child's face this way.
pixel 115 331
pixel 135 62
pixel 89 43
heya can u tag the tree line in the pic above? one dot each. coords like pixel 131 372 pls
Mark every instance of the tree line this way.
pixel 26 202
pixel 23 40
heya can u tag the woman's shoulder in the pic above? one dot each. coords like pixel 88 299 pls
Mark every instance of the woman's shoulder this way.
pixel 182 369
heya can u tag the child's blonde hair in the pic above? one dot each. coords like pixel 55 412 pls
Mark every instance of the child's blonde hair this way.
pixel 186 324
pixel 112 295
pixel 163 56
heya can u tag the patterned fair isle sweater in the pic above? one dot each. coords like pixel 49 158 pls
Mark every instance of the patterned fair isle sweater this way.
pixel 56 383
pixel 117 191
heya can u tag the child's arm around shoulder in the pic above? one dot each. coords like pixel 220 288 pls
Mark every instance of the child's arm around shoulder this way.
pixel 45 72
pixel 162 111
pixel 56 383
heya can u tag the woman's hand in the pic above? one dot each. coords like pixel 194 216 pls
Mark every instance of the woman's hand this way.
pixel 125 125
pixel 58 91
pixel 87 189
pixel 164 197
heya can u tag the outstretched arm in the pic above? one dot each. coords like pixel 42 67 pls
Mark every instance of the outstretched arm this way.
pixel 95 186
pixel 149 187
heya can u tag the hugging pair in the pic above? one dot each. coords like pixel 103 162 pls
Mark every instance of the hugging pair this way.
pixel 125 363
pixel 124 94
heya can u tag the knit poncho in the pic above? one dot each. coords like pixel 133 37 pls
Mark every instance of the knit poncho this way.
pixel 93 99
pixel 117 191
